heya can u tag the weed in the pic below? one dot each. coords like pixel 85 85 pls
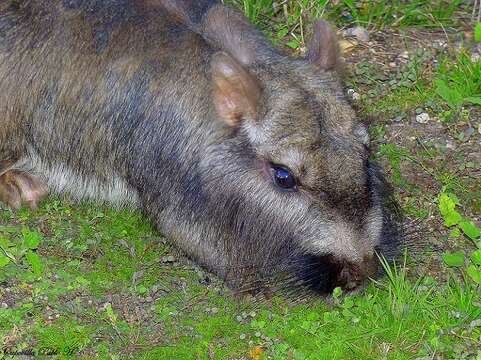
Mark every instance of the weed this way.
pixel 285 20
pixel 477 32
pixel 454 220
pixel 21 252
pixel 255 9
pixel 63 338
pixel 458 82
pixel 381 13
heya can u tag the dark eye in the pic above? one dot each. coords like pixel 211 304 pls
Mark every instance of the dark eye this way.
pixel 283 178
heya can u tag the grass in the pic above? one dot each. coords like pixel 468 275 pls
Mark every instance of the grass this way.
pixel 86 281
pixel 447 89
pixel 285 21
pixel 103 291
pixel 368 13
pixel 458 82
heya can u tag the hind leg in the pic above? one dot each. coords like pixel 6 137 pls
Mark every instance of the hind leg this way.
pixel 19 188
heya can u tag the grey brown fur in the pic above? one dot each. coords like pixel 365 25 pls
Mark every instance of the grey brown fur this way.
pixel 181 108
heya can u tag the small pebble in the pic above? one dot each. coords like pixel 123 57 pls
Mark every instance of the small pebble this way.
pixel 257 334
pixel 450 145
pixel 242 336
pixel 346 15
pixel 422 118
pixel 4 305
pixel 168 259
pixel 392 65
pixel 475 57
pixel 353 94
pixel 475 323
pixel 456 314
pixel 239 318
pixel 405 55
pixel 359 33
pixel 214 310
pixel 137 276
pixel 103 307
pixel 468 133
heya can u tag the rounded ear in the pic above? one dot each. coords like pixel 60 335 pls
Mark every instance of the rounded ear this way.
pixel 236 93
pixel 323 49
pixel 229 30
pixel 187 12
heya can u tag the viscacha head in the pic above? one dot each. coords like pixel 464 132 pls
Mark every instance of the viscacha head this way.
pixel 301 201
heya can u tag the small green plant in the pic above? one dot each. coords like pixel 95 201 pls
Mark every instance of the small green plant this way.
pixel 381 13
pixel 395 155
pixel 20 252
pixel 459 82
pixel 254 10
pixel 477 32
pixel 63 338
pixel 448 204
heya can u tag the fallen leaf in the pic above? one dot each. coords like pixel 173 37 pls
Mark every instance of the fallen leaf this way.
pixel 347 45
pixel 256 353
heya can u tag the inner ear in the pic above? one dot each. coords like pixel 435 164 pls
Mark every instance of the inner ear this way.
pixel 236 93
pixel 323 49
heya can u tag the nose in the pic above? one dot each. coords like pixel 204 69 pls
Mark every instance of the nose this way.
pixel 352 276
pixel 324 273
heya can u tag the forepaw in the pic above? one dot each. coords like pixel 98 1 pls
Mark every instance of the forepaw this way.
pixel 20 188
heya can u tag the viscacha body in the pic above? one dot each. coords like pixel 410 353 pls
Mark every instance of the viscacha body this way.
pixel 251 162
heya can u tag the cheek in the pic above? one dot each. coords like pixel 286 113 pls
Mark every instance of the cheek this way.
pixel 329 233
